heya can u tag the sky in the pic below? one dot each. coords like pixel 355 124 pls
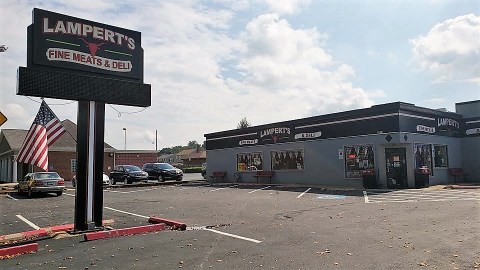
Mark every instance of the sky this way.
pixel 212 63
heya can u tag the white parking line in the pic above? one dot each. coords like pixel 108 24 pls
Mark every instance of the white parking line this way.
pixel 234 236
pixel 365 196
pixel 71 195
pixel 258 189
pixel 125 192
pixel 224 188
pixel 128 213
pixel 10 197
pixel 299 196
pixel 33 225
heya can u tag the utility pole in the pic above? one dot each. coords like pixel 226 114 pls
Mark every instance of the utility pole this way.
pixel 156 140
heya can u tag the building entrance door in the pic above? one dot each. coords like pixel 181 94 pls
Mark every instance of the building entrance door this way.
pixel 396 161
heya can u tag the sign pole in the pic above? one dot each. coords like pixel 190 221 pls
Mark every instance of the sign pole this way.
pixel 90 152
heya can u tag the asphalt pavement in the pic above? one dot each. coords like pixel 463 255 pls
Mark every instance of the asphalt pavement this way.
pixel 247 226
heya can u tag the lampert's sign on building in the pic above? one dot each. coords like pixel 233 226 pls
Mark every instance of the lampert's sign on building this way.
pixel 65 42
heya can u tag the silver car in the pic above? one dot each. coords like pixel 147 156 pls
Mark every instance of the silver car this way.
pixel 46 182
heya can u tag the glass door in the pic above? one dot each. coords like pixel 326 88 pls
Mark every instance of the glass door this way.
pixel 396 162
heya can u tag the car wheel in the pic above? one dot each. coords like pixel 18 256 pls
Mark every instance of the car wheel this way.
pixel 125 180
pixel 59 193
pixel 30 193
pixel 113 181
pixel 163 178
pixel 179 179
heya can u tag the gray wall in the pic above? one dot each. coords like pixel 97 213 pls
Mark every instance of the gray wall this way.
pixel 468 109
pixel 471 158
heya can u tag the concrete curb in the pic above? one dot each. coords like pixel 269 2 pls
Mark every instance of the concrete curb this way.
pixel 123 232
pixel 6 253
pixel 461 187
pixel 175 224
pixel 29 235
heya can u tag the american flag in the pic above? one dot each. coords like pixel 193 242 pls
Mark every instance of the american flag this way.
pixel 45 130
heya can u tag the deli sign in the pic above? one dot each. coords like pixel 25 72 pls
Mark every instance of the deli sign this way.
pixel 65 42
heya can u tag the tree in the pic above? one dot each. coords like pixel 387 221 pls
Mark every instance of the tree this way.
pixel 193 145
pixel 243 123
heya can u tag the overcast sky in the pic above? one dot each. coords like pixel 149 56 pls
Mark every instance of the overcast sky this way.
pixel 211 63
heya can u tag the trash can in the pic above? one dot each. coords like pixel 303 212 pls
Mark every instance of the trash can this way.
pixel 369 178
pixel 422 177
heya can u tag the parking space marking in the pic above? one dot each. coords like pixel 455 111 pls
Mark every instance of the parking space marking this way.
pixel 258 189
pixel 224 188
pixel 234 235
pixel 71 195
pixel 420 196
pixel 128 213
pixel 13 198
pixel 299 196
pixel 132 191
pixel 33 225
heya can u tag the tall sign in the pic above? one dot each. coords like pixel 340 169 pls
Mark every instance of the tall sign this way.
pixel 94 63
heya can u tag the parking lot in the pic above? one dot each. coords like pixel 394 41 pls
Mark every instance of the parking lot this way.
pixel 241 226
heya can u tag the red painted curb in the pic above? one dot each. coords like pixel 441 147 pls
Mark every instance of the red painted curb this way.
pixel 175 224
pixel 42 232
pixel 17 250
pixel 122 232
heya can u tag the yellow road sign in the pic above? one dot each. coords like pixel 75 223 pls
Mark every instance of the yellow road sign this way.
pixel 3 119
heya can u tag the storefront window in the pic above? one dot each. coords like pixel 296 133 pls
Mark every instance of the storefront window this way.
pixel 441 156
pixel 423 156
pixel 287 160
pixel 249 162
pixel 357 159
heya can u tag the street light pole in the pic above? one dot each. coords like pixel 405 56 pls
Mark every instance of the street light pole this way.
pixel 156 141
pixel 125 129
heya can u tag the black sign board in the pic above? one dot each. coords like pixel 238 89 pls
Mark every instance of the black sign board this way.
pixel 66 42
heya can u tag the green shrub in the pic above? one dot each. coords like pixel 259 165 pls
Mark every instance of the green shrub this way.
pixel 193 170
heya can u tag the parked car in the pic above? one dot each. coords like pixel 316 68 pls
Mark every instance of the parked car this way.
pixel 105 180
pixel 163 171
pixel 204 170
pixel 127 174
pixel 47 182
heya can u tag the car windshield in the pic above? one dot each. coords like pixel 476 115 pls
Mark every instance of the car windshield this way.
pixel 132 168
pixel 46 175
pixel 165 166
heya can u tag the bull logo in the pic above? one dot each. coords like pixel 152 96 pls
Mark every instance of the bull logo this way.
pixel 92 47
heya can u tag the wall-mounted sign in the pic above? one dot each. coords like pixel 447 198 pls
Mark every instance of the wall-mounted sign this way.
pixel 312 135
pixel 472 131
pixel 447 123
pixel 248 142
pixel 426 129
pixel 274 135
pixel 65 42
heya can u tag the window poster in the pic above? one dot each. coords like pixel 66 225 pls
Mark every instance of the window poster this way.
pixel 287 159
pixel 249 162
pixel 423 156
pixel 358 158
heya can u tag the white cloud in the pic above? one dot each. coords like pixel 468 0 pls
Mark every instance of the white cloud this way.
pixel 290 67
pixel 451 50
pixel 287 6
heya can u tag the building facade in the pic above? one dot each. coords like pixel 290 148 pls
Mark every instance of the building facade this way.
pixel 391 140
pixel 135 157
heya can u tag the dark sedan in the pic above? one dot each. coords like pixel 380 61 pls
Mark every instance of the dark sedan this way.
pixel 163 171
pixel 127 174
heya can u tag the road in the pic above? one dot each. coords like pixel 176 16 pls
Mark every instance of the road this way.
pixel 240 226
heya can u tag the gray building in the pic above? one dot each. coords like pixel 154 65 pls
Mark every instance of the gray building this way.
pixel 393 142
